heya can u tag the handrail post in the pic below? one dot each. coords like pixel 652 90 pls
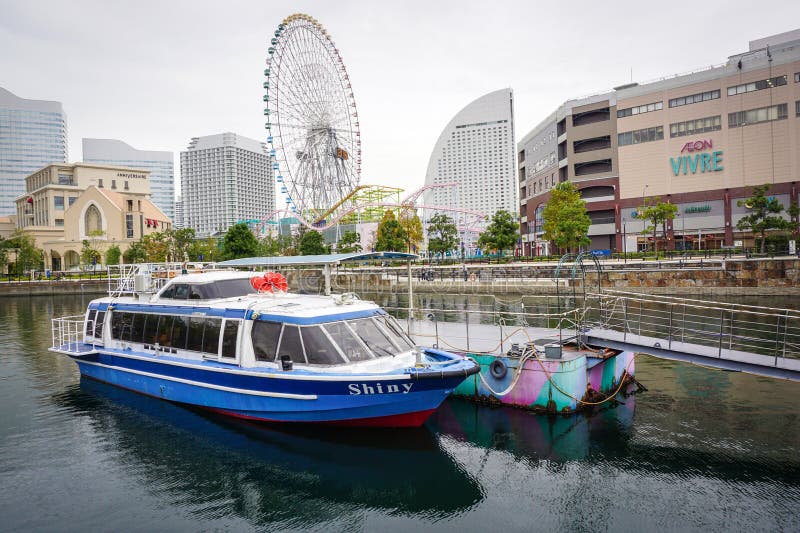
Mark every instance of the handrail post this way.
pixel 639 330
pixel 467 322
pixel 730 331
pixel 671 305
pixel 785 327
pixel 777 331
pixel 625 321
pixel 721 325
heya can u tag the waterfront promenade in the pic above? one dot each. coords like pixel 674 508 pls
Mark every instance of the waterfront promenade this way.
pixel 697 276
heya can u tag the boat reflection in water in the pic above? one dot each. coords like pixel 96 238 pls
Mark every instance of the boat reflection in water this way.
pixel 536 436
pixel 295 477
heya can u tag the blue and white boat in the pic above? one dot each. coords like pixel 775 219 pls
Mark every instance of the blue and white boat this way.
pixel 220 341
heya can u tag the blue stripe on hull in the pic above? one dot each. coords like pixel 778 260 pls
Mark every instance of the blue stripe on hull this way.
pixel 338 404
pixel 253 382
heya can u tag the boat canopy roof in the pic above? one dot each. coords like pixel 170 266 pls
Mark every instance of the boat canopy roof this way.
pixel 327 259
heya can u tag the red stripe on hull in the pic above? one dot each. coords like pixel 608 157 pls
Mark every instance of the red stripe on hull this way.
pixel 405 420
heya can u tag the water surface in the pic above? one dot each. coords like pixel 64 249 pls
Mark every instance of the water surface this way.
pixel 699 450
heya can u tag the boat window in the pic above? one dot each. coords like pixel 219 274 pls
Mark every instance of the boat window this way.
pixel 319 350
pixel 169 292
pixel 90 322
pixel 121 325
pixel 137 328
pixel 229 339
pixel 180 327
pixel 98 324
pixel 348 343
pixel 265 337
pixel 291 344
pixel 164 333
pixel 196 293
pixel 395 331
pixel 181 292
pixel 195 340
pixel 150 329
pixel 211 335
pixel 228 288
pixel 373 337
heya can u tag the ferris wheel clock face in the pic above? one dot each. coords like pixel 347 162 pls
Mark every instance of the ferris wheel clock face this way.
pixel 311 118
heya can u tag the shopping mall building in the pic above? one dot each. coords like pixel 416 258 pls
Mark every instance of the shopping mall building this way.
pixel 700 140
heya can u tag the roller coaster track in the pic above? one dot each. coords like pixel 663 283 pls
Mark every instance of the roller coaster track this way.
pixel 412 198
pixel 322 223
pixel 334 221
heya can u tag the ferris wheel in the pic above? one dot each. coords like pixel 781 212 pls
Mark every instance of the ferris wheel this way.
pixel 312 122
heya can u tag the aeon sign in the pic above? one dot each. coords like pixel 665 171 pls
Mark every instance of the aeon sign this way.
pixel 703 162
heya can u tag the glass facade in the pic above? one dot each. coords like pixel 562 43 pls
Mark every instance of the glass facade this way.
pixel 33 134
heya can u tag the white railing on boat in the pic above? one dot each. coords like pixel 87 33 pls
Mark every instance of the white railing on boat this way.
pixel 122 278
pixel 68 335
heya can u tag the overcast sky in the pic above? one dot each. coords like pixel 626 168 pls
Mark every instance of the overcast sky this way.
pixel 155 74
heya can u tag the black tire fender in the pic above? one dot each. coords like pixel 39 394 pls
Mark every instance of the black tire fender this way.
pixel 498 369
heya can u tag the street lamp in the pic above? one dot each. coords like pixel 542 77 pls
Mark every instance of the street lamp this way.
pixel 624 240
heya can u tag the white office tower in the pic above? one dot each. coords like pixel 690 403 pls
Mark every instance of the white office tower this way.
pixel 33 134
pixel 476 151
pixel 160 164
pixel 225 179
pixel 178 220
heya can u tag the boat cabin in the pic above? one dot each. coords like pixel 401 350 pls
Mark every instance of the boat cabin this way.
pixel 219 317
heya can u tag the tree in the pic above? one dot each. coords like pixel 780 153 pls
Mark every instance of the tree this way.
pixel 764 213
pixel 112 255
pixel 501 234
pixel 90 251
pixel 204 249
pixel 89 254
pixel 566 222
pixel 136 253
pixel 182 240
pixel 239 242
pixel 313 243
pixel 349 242
pixel 442 234
pixel 156 246
pixel 794 213
pixel 391 235
pixel 412 225
pixel 3 255
pixel 28 255
pixel 657 212
pixel 272 245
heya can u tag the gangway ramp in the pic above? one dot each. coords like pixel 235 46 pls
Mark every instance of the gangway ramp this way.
pixel 729 336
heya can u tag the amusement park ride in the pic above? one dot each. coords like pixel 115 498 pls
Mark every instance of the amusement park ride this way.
pixel 314 137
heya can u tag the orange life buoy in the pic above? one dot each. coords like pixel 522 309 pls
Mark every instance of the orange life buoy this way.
pixel 270 282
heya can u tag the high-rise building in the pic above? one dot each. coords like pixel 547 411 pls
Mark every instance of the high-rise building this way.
pixel 476 151
pixel 160 164
pixel 178 220
pixel 700 140
pixel 577 143
pixel 33 134
pixel 225 179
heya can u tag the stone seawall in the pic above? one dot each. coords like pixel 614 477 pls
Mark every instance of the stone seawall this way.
pixel 54 288
pixel 755 277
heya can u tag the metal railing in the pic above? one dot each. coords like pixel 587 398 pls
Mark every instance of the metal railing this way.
pixel 726 328
pixel 68 333
pixel 488 331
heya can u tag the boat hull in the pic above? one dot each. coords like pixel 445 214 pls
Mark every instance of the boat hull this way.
pixel 351 400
